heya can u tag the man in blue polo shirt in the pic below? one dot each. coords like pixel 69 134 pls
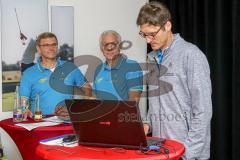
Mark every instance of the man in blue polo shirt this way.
pixel 118 78
pixel 51 78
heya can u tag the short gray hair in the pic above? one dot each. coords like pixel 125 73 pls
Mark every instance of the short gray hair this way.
pixel 112 32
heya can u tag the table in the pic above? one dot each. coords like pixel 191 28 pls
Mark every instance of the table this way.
pixel 176 150
pixel 27 141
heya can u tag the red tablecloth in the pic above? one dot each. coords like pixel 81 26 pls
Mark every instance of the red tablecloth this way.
pixel 27 141
pixel 176 150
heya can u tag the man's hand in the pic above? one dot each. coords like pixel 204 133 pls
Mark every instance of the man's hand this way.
pixel 146 128
pixel 27 114
pixel 61 111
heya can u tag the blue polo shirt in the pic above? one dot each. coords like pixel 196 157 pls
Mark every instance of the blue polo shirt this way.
pixel 115 83
pixel 52 87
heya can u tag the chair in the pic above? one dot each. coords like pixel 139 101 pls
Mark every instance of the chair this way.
pixel 9 147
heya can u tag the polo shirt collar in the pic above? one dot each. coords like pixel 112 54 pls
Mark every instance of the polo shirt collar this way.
pixel 120 59
pixel 176 37
pixel 41 68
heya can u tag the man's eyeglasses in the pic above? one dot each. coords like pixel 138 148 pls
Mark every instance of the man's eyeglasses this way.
pixel 110 46
pixel 48 45
pixel 149 35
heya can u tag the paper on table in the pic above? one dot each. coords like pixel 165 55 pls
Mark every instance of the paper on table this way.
pixel 31 126
pixel 57 119
pixel 53 119
pixel 58 141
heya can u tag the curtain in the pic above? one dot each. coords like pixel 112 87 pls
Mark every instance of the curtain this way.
pixel 213 25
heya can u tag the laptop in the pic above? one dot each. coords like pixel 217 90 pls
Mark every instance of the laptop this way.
pixel 108 123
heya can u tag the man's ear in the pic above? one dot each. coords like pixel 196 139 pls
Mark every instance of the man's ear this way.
pixel 168 26
pixel 101 48
pixel 38 49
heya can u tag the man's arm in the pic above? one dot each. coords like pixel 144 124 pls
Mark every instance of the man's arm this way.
pixel 25 92
pixel 134 95
pixel 87 89
pixel 199 84
pixel 134 81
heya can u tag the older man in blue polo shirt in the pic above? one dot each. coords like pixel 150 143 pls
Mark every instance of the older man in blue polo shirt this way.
pixel 51 78
pixel 118 78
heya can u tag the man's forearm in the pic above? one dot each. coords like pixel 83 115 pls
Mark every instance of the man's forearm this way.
pixel 134 95
pixel 87 89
